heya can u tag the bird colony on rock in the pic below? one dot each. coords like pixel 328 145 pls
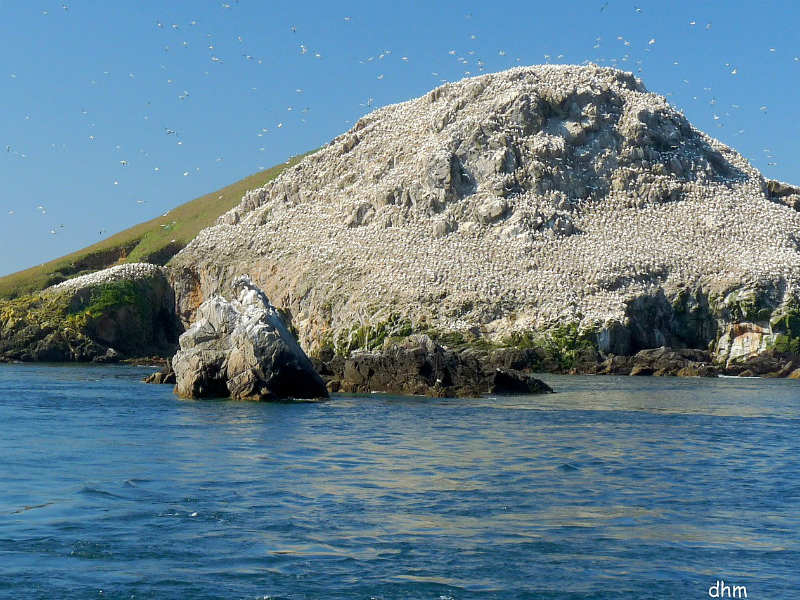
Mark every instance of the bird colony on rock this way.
pixel 510 201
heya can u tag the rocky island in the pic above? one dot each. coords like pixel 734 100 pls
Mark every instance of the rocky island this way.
pixel 547 218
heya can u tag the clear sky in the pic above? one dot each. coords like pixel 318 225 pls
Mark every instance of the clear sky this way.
pixel 113 112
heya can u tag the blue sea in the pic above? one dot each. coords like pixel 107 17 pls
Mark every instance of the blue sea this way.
pixel 614 487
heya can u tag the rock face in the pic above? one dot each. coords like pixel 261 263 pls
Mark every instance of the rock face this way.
pixel 124 311
pixel 418 365
pixel 512 203
pixel 243 349
pixel 673 361
pixel 164 376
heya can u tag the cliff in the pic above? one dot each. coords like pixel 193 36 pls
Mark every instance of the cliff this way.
pixel 551 206
pixel 125 311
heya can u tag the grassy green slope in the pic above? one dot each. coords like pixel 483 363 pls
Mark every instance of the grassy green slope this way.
pixel 154 241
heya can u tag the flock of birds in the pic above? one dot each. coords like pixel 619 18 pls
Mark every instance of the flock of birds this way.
pixel 652 203
pixel 468 63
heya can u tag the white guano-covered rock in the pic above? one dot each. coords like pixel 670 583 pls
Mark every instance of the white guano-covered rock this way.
pixel 243 349
pixel 124 272
pixel 506 202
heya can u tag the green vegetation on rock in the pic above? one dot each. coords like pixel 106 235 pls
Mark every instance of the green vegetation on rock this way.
pixel 39 327
pixel 564 344
pixel 786 323
pixel 787 320
pixel 743 305
pixel 135 317
pixel 106 297
pixel 370 337
pixel 787 344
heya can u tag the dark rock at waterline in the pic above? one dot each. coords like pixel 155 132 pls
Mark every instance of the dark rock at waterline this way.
pixel 243 349
pixel 698 370
pixel 786 370
pixel 110 356
pixel 770 363
pixel 504 381
pixel 518 359
pixel 682 362
pixel 686 362
pixel 418 365
pixel 616 365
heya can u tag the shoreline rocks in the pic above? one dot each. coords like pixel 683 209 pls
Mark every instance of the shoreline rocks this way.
pixel 164 376
pixel 419 366
pixel 243 349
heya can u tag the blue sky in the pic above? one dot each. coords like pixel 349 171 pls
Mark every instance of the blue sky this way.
pixel 92 90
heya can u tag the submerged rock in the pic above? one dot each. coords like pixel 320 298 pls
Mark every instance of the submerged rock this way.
pixel 243 349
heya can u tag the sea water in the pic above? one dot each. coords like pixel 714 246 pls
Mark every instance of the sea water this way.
pixel 614 487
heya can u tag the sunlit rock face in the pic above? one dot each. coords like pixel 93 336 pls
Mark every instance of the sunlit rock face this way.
pixel 511 202
pixel 243 349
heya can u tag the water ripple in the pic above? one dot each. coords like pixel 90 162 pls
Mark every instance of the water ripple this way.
pixel 612 488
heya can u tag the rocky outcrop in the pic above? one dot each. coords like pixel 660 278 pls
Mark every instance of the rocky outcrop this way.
pixel 164 376
pixel 418 365
pixel 509 203
pixel 683 362
pixel 124 311
pixel 743 341
pixel 784 193
pixel 507 382
pixel 243 349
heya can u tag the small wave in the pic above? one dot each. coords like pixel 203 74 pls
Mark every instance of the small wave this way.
pixel 32 507
pixel 90 550
pixel 568 467
pixel 133 482
pixel 90 491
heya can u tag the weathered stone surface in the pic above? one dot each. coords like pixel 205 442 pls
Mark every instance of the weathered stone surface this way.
pixel 164 376
pixel 784 193
pixel 614 338
pixel 243 349
pixel 514 359
pixel 769 364
pixel 742 341
pixel 673 361
pixel 418 365
pixel 110 356
pixel 616 365
pixel 697 370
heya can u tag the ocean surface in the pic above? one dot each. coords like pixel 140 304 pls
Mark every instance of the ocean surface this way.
pixel 615 487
